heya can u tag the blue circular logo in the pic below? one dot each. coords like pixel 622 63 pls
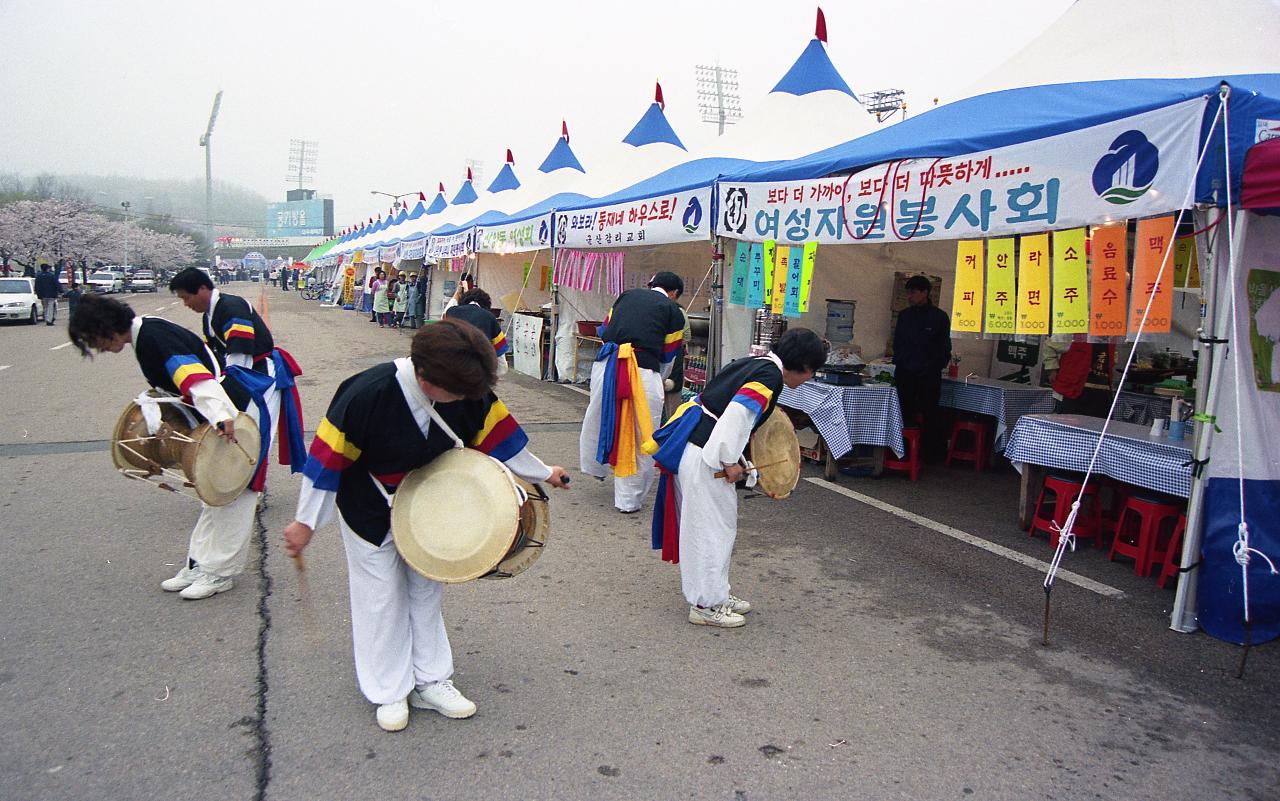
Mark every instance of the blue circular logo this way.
pixel 1128 169
pixel 692 215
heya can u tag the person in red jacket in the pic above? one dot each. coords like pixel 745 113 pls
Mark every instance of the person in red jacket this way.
pixel 1081 378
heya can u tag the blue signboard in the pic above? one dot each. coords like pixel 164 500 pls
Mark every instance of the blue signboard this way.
pixel 296 218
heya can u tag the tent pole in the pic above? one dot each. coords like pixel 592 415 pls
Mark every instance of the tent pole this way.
pixel 1208 389
pixel 715 335
pixel 553 374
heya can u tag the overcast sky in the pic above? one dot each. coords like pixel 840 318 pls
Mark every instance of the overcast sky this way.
pixel 400 94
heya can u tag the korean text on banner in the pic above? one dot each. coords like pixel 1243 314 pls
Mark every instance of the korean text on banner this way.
pixel 1001 287
pixel 1150 244
pixel 781 272
pixel 1108 290
pixel 741 270
pixel 1033 285
pixel 1186 264
pixel 795 275
pixel 966 306
pixel 806 274
pixel 769 253
pixel 755 283
pixel 1070 283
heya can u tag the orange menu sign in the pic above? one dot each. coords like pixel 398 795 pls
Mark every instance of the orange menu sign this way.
pixel 1109 284
pixel 1152 247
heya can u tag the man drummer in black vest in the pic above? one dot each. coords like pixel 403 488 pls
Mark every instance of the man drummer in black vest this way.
pixel 381 424
pixel 175 361
pixel 643 333
pixel 700 451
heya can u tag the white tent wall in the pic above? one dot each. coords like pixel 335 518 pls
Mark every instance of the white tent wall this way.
pixel 502 275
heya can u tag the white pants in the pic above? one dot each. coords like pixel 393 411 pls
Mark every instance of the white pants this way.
pixel 628 492
pixel 396 622
pixel 708 527
pixel 220 540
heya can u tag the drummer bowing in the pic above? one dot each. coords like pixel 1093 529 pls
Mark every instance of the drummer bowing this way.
pixel 700 453
pixel 176 362
pixel 381 424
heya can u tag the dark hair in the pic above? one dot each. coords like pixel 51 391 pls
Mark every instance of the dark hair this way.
pixel 800 350
pixel 455 356
pixel 44 267
pixel 477 296
pixel 918 282
pixel 97 318
pixel 669 281
pixel 190 281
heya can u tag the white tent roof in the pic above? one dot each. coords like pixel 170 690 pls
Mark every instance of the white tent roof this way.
pixel 1098 40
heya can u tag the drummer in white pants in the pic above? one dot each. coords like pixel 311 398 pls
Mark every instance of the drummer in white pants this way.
pixel 705 437
pixel 381 424
pixel 652 324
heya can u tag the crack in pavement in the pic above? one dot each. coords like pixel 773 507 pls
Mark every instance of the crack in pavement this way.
pixel 261 734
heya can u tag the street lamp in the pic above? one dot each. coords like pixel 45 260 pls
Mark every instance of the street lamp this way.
pixel 396 198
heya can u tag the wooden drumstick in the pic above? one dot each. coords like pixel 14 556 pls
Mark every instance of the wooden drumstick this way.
pixel 721 473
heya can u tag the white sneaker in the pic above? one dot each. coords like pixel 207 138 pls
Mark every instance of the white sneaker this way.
pixel 393 717
pixel 738 605
pixel 183 579
pixel 721 616
pixel 444 698
pixel 206 585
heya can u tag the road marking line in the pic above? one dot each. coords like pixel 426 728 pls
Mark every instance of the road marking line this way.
pixel 162 308
pixel 5 366
pixel 969 539
pixel 577 389
pixel 60 347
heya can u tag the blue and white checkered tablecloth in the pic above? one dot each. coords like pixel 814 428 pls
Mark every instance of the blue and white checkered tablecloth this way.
pixel 1129 452
pixel 1003 400
pixel 848 416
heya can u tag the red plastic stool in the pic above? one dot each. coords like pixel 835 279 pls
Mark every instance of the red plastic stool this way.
pixel 979 452
pixel 1138 532
pixel 1088 525
pixel 1173 553
pixel 1120 493
pixel 910 461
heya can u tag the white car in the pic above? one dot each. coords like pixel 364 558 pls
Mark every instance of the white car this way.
pixel 142 281
pixel 18 300
pixel 107 281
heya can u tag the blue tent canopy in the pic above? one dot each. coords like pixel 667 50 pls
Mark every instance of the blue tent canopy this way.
pixel 505 180
pixel 812 72
pixel 561 156
pixel 653 127
pixel 1022 115
pixel 682 177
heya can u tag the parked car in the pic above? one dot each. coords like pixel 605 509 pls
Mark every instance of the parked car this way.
pixel 107 281
pixel 142 281
pixel 18 300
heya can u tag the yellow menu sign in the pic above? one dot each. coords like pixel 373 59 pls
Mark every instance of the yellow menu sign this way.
pixel 1033 285
pixel 1001 287
pixel 966 306
pixel 1070 283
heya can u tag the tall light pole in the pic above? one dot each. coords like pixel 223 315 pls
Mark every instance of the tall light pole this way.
pixel 718 98
pixel 206 141
pixel 396 198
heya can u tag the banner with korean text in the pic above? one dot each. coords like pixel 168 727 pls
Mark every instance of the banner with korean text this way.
pixel 755 278
pixel 741 270
pixel 1033 285
pixel 1001 287
pixel 1152 241
pixel 966 305
pixel 1135 167
pixel 518 237
pixel 452 245
pixel 1070 283
pixel 806 274
pixel 677 217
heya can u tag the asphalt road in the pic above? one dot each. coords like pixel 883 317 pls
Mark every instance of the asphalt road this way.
pixel 883 660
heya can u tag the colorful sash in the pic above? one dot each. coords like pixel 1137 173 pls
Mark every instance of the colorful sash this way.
pixel 292 452
pixel 623 401
pixel 667 448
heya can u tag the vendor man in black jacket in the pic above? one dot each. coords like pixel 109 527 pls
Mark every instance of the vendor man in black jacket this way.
pixel 921 349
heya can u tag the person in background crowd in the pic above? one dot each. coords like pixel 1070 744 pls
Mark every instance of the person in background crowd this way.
pixel 73 296
pixel 381 308
pixel 921 349
pixel 1080 376
pixel 48 290
pixel 476 308
pixel 400 303
pixel 412 319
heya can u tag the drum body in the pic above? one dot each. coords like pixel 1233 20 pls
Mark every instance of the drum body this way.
pixel 775 451
pixel 217 470
pixel 464 516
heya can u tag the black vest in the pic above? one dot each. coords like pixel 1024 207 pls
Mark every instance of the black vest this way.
pixel 644 318
pixel 720 391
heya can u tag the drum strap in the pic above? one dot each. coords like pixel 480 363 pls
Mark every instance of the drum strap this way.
pixel 150 406
pixel 413 394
